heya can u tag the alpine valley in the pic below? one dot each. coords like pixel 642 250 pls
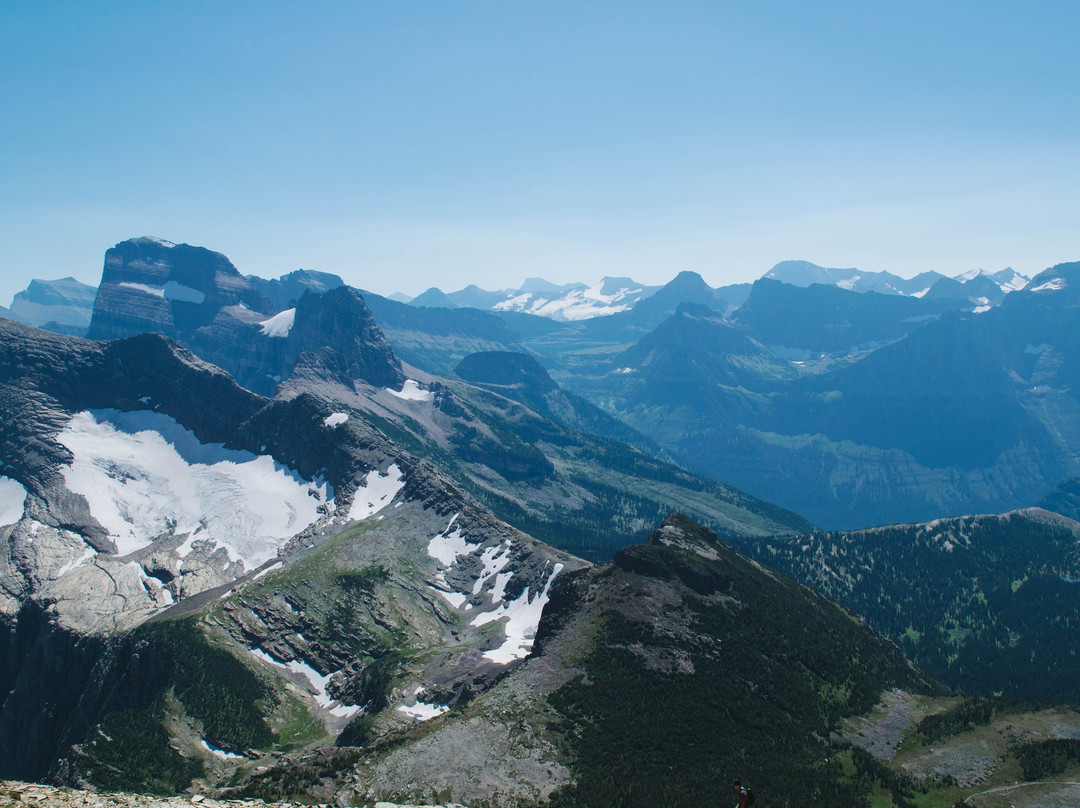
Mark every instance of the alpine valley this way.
pixel 288 540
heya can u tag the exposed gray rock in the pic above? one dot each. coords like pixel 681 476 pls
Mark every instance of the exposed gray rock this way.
pixel 284 292
pixel 199 299
pixel 149 284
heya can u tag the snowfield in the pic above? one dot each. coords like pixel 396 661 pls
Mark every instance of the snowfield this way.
pixel 334 420
pixel 377 492
pixel 280 324
pixel 316 683
pixel 522 618
pixel 170 291
pixel 12 500
pixel 423 711
pixel 1052 285
pixel 521 615
pixel 410 391
pixel 144 476
pixel 578 304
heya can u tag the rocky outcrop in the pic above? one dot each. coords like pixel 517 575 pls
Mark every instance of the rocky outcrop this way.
pixel 199 299
pixel 286 291
pixel 149 284
pixel 334 332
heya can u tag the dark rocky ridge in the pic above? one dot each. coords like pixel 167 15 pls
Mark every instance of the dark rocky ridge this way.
pixel 198 298
pixel 152 285
pixel 284 292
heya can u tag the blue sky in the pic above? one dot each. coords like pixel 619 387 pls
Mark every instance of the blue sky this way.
pixel 406 144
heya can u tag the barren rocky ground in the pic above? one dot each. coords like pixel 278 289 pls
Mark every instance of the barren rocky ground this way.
pixel 30 795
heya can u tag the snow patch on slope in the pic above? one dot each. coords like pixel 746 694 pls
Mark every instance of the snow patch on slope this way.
pixel 280 324
pixel 334 420
pixel 1054 285
pixel 521 615
pixel 446 546
pixel 156 291
pixel 423 712
pixel 522 618
pixel 12 500
pixel 185 294
pixel 316 681
pixel 221 753
pixel 410 391
pixel 144 475
pixel 377 492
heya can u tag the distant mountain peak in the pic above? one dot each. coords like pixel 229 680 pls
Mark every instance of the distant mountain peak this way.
pixel 540 285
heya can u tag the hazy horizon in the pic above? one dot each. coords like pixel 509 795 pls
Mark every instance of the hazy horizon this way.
pixel 410 145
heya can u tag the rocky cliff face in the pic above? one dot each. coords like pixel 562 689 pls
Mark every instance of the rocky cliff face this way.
pixel 334 331
pixel 286 291
pixel 149 284
pixel 199 299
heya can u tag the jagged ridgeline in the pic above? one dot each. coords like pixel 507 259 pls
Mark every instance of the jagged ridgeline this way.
pixel 144 483
pixel 544 460
pixel 990 604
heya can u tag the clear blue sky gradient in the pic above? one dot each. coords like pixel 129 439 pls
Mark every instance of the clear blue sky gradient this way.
pixel 407 144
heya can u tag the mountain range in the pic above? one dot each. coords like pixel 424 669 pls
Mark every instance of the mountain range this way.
pixel 291 540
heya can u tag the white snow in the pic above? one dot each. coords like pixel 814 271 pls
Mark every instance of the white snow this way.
pixel 410 391
pixel 185 294
pixel 280 324
pixel 625 370
pixel 964 277
pixel 160 241
pixel 144 475
pixel 522 615
pixel 850 283
pixel 1037 349
pixel 156 291
pixel 334 420
pixel 578 304
pixel 981 309
pixel 455 599
pixel 1052 285
pixel 446 546
pixel 921 293
pixel 522 618
pixel 221 753
pixel 12 500
pixel 495 560
pixel 423 712
pixel 317 683
pixel 1017 283
pixel 377 492
pixel 498 592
